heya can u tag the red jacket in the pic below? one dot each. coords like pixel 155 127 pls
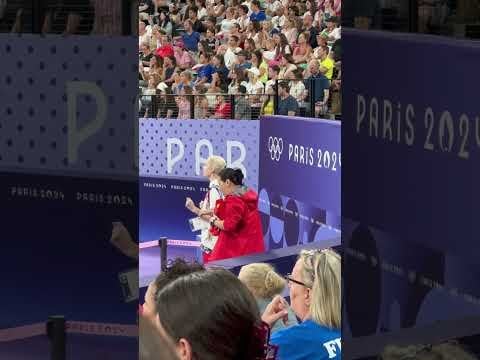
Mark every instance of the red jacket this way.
pixel 242 234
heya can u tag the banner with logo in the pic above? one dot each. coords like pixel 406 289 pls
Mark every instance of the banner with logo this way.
pixel 179 148
pixel 300 175
pixel 410 202
pixel 162 207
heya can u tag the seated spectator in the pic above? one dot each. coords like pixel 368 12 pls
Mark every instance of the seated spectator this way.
pixel 315 295
pixel 190 38
pixel 164 46
pixel 165 24
pixel 290 30
pixel 201 104
pixel 253 85
pixel 169 70
pixel 273 72
pixel 297 87
pixel 321 87
pixel 241 61
pixel 183 57
pixel 268 105
pixel 264 283
pixel 259 63
pixel 287 67
pixel 302 52
pixel 238 78
pixel 145 53
pixel 227 23
pixel 243 110
pixel 257 13
pixel 243 19
pixel 144 33
pixel 184 103
pixel 222 327
pixel 230 56
pixel 204 70
pixel 326 62
pixel 197 25
pixel 222 109
pixel 287 104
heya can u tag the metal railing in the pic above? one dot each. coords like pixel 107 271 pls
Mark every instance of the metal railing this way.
pixel 240 106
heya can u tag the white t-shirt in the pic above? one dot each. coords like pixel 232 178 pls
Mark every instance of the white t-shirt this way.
pixel 230 57
pixel 208 240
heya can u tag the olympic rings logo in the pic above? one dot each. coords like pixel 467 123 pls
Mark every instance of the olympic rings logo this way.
pixel 275 147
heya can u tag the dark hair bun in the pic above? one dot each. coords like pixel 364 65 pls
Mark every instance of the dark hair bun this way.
pixel 239 177
pixel 234 175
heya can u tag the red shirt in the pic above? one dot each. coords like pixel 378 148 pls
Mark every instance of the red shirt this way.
pixel 224 110
pixel 242 234
pixel 165 51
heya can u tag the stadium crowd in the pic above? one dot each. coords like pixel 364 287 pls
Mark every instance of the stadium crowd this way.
pixel 237 57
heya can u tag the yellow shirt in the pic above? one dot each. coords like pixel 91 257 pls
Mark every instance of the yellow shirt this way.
pixel 328 64
pixel 268 108
pixel 264 77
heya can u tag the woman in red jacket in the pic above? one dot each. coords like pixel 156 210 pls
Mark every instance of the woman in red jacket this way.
pixel 236 219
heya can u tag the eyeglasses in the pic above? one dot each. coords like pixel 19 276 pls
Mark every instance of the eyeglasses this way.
pixel 288 277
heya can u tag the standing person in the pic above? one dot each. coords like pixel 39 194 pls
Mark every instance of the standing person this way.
pixel 287 104
pixel 316 298
pixel 236 220
pixel 211 170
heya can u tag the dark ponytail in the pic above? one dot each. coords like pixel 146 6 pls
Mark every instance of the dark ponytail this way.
pixel 234 175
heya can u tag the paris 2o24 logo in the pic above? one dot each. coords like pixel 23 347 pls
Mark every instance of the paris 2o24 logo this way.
pixel 275 147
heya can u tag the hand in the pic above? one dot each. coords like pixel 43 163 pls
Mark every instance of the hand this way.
pixel 122 240
pixel 276 310
pixel 204 212
pixel 189 204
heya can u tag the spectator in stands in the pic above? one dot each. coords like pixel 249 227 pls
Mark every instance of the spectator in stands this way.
pixel 223 108
pixel 253 85
pixel 287 67
pixel 146 53
pixel 205 70
pixel 264 283
pixel 321 87
pixel 442 351
pixel 257 13
pixel 184 103
pixel 230 56
pixel 223 327
pixel 249 34
pixel 190 38
pixel 332 31
pixel 144 33
pixel 315 295
pixel 326 62
pixel 164 46
pixel 287 104
pixel 303 51
pixel 243 110
pixel 238 78
pixel 268 105
pixel 236 218
pixel 290 30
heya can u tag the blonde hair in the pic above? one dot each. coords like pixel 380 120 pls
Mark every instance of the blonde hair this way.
pixel 217 163
pixel 322 274
pixel 444 351
pixel 262 280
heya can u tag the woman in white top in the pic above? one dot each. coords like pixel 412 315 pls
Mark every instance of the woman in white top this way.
pixel 254 86
pixel 211 169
